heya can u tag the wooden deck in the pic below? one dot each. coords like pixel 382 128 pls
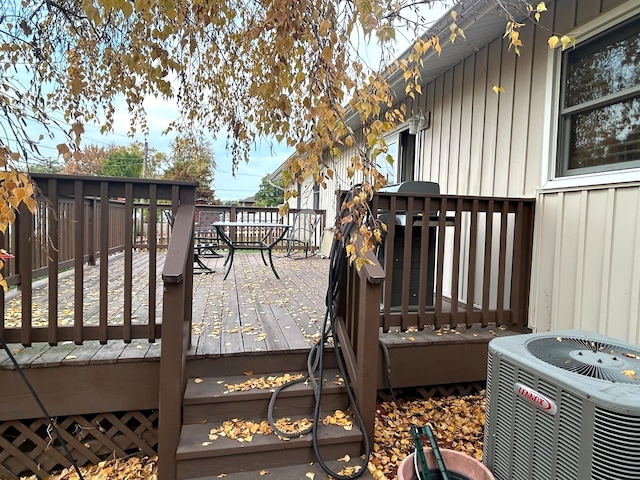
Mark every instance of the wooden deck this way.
pixel 251 312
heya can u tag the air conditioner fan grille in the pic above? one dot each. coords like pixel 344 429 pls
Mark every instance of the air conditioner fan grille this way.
pixel 590 358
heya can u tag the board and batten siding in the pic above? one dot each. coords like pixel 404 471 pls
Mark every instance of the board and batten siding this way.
pixel 586 264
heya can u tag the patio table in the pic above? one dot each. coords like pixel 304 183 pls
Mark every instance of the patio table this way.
pixel 265 237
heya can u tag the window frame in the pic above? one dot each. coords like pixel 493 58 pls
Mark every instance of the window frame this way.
pixel 556 175
pixel 566 114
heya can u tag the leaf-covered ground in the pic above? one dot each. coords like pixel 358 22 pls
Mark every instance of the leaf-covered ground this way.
pixel 457 423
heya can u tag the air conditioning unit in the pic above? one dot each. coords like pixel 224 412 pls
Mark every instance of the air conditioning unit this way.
pixel 563 405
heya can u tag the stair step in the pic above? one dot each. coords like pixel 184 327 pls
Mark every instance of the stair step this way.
pixel 292 472
pixel 197 454
pixel 211 399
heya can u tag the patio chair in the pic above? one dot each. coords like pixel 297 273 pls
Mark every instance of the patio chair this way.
pixel 302 231
pixel 198 249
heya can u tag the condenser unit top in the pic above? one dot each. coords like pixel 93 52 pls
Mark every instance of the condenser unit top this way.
pixel 593 366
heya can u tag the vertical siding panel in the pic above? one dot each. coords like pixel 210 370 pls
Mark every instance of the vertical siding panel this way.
pixel 605 258
pixel 536 158
pixel 425 155
pixel 542 263
pixel 557 260
pixel 633 334
pixel 565 21
pixel 623 246
pixel 506 100
pixel 520 117
pixel 491 119
pixel 445 141
pixel 581 254
pixel 455 135
pixel 436 157
pixel 608 4
pixel 587 10
pixel 592 260
pixel 466 126
pixel 480 88
pixel 567 259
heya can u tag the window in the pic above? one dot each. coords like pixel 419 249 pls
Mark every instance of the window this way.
pixel 402 147
pixel 599 127
pixel 316 196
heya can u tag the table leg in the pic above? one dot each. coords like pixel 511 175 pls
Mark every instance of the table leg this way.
pixel 229 261
pixel 273 268
pixel 262 254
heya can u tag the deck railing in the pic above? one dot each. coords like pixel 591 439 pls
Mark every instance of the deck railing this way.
pixel 445 261
pixel 72 228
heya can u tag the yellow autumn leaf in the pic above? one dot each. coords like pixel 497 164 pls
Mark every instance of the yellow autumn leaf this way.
pixel 566 41
pixel 630 373
pixel 541 7
pixel 553 41
pixel 310 475
pixel 197 380
pixel 498 89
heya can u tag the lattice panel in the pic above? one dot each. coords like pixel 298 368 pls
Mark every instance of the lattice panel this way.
pixel 434 391
pixel 29 447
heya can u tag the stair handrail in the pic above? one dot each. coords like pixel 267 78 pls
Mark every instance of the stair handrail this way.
pixel 357 326
pixel 177 277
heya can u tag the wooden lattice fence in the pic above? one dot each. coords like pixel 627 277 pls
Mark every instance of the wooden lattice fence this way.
pixel 30 447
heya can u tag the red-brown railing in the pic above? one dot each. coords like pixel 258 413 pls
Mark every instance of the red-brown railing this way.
pixel 72 228
pixel 445 260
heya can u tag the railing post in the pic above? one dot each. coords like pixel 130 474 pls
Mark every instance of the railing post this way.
pixel 176 337
pixel 367 353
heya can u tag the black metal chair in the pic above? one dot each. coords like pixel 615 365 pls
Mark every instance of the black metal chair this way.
pixel 303 231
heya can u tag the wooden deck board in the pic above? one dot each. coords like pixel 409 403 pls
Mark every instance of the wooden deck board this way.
pixel 250 312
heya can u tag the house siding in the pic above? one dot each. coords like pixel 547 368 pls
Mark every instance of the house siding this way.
pixel 586 264
pixel 586 269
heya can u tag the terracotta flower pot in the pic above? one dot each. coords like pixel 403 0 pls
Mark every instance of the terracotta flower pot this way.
pixel 459 465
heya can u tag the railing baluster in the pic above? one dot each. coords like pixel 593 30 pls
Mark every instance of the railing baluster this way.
pixel 486 277
pixel 128 263
pixel 152 236
pixel 24 254
pixel 78 300
pixel 52 241
pixel 473 256
pixel 105 235
pixel 442 218
pixel 455 270
pixel 502 264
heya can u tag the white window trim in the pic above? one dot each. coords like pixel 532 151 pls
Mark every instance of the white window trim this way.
pixel 550 180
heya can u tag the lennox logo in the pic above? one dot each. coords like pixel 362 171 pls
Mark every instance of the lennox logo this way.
pixel 535 398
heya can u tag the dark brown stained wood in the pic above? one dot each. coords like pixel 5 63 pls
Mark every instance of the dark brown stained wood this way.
pixel 502 264
pixel 78 240
pixel 53 219
pixel 209 398
pixel 76 390
pixel 293 472
pixel 225 455
pixel 455 270
pixel 486 278
pixel 103 303
pixel 473 257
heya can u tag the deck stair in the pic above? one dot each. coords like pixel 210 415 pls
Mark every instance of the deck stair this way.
pixel 211 401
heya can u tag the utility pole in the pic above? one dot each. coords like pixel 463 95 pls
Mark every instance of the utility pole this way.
pixel 146 155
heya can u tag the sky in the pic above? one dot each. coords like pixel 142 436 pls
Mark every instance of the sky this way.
pixel 264 158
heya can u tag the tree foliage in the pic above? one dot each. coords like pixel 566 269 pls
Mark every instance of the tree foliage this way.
pixel 192 159
pixel 269 194
pixel 285 69
pixel 122 162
